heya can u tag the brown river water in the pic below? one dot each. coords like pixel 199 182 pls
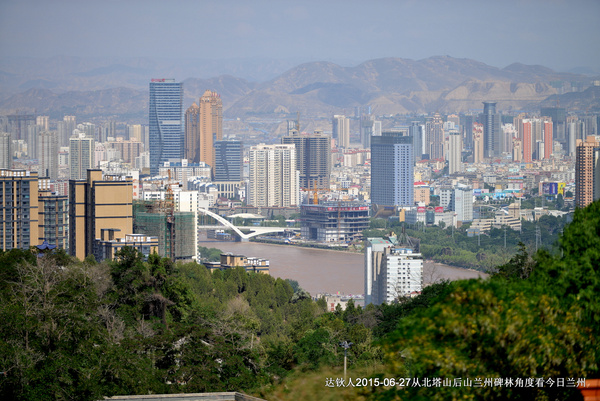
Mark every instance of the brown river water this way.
pixel 325 271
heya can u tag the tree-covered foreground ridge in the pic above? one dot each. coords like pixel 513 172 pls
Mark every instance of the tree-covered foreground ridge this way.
pixel 84 330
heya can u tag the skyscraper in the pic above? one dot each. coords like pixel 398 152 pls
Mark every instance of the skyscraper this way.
pixel 229 161
pixel 48 155
pixel 313 158
pixel 81 156
pixel 6 156
pixel 435 136
pixel 416 131
pixel 18 209
pixel 587 171
pixel 392 179
pixel 527 140
pixel 165 121
pixel 341 131
pixel 454 152
pixel 273 176
pixel 203 127
pixel 491 130
pixel 548 138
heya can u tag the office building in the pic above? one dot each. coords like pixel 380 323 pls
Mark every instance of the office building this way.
pixel 392 179
pixel 454 152
pixel 273 176
pixel 48 155
pixel 18 209
pixel 203 127
pixel 6 154
pixel 491 130
pixel 416 132
pixel 96 203
pixel 341 131
pixel 229 161
pixel 435 137
pixel 165 122
pixel 391 272
pixel 587 171
pixel 81 155
pixel 313 158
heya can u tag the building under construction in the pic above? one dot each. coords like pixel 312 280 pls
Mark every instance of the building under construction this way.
pixel 175 230
pixel 334 221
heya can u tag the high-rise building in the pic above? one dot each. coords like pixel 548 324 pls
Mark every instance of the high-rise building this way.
pixel 18 209
pixel 203 127
pixel 53 218
pixel 392 160
pixel 587 171
pixel 477 142
pixel 229 161
pixel 459 200
pixel 98 203
pixel 416 131
pixel 65 129
pixel 273 176
pixel 435 136
pixel 341 131
pixel 313 158
pixel 558 115
pixel 165 122
pixel 491 130
pixel 366 130
pixel 454 152
pixel 6 154
pixel 33 132
pixel 48 154
pixel 81 156
pixel 548 138
pixel 43 121
pixel 390 272
pixel 527 140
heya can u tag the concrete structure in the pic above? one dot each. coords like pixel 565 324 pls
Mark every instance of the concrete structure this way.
pixel 96 203
pixel 53 218
pixel 587 171
pixel 48 155
pixel 334 221
pixel 203 127
pixel 129 149
pixel 230 261
pixel 165 122
pixel 390 272
pixel 392 179
pixel 313 158
pixel 6 154
pixel 478 143
pixel 273 176
pixel 454 152
pixel 459 200
pixel 341 131
pixel 435 136
pixel 18 209
pixel 107 245
pixel 81 155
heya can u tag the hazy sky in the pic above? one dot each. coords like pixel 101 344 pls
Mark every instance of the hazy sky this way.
pixel 555 33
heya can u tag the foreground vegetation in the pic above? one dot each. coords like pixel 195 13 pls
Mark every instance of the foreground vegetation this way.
pixel 82 330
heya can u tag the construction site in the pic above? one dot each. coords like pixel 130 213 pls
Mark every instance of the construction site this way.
pixel 176 231
pixel 334 221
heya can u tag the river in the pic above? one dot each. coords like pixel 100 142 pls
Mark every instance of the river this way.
pixel 326 271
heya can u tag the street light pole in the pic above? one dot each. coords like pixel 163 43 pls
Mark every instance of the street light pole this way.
pixel 345 345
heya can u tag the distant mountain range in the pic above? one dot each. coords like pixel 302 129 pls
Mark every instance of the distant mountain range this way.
pixel 317 89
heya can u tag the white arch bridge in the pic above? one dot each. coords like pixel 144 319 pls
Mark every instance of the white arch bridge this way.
pixel 254 231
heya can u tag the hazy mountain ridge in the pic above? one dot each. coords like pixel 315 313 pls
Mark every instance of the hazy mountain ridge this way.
pixel 387 85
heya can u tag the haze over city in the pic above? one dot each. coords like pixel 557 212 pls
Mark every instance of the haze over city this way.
pixel 561 35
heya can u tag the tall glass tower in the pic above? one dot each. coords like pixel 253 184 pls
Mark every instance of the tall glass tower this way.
pixel 392 159
pixel 165 122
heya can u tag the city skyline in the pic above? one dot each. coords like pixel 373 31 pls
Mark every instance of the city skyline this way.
pixel 493 33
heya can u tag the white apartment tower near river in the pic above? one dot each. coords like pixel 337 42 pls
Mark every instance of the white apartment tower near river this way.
pixel 273 176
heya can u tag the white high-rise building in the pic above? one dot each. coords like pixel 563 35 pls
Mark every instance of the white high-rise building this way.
pixel 6 156
pixel 273 176
pixel 391 272
pixel 454 152
pixel 341 131
pixel 81 155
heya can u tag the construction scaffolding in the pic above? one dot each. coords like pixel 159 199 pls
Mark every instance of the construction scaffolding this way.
pixel 175 230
